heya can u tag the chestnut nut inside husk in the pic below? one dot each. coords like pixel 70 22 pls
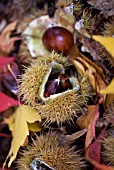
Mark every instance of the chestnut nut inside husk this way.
pixel 58 38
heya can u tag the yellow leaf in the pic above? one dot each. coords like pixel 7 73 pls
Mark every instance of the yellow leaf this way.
pixel 10 121
pixel 107 42
pixel 34 127
pixel 109 89
pixel 23 115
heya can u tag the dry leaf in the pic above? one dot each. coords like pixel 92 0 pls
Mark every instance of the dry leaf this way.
pixel 109 89
pixel 107 42
pixel 91 127
pixel 109 99
pixel 24 115
pixel 83 121
pixel 34 127
pixel 93 153
pixel 85 68
pixel 7 43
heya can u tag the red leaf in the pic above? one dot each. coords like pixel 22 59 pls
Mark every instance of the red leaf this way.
pixel 6 102
pixel 93 153
pixel 5 60
pixel 91 127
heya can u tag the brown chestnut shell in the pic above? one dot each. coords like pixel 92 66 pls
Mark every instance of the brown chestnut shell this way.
pixel 58 38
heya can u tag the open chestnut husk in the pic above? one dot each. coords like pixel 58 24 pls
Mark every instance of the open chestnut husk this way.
pixel 58 38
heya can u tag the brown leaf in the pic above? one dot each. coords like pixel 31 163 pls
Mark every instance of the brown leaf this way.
pixel 7 43
pixel 84 120
pixel 87 68
pixel 91 127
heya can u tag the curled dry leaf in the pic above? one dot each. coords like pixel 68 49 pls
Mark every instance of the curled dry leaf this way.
pixel 83 121
pixel 87 68
pixel 23 115
pixel 91 126
pixel 6 42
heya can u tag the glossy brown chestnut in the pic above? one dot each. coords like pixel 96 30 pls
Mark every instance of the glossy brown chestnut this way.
pixel 58 38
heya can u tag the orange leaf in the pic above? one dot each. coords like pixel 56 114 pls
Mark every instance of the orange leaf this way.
pixel 87 68
pixel 7 43
pixel 84 121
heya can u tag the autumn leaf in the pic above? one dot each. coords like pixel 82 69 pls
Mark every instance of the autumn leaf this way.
pixel 83 121
pixel 109 89
pixel 109 99
pixel 93 153
pixel 24 115
pixel 91 127
pixel 5 60
pixel 6 102
pixel 6 42
pixel 87 68
pixel 107 42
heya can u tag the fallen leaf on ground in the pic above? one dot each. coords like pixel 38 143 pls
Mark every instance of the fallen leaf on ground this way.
pixel 83 121
pixel 6 42
pixel 87 68
pixel 109 89
pixel 24 115
pixel 109 99
pixel 93 153
pixel 5 60
pixel 91 126
pixel 6 102
pixel 107 42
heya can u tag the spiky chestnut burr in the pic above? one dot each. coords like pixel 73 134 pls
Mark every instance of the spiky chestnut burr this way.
pixel 108 149
pixel 66 106
pixel 32 79
pixel 48 149
pixel 63 3
pixel 59 107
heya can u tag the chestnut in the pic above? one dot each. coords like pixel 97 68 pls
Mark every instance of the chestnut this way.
pixel 58 38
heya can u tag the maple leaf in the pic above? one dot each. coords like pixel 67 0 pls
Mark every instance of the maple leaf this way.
pixel 6 102
pixel 24 115
pixel 93 152
pixel 109 89
pixel 7 43
pixel 5 60
pixel 107 42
